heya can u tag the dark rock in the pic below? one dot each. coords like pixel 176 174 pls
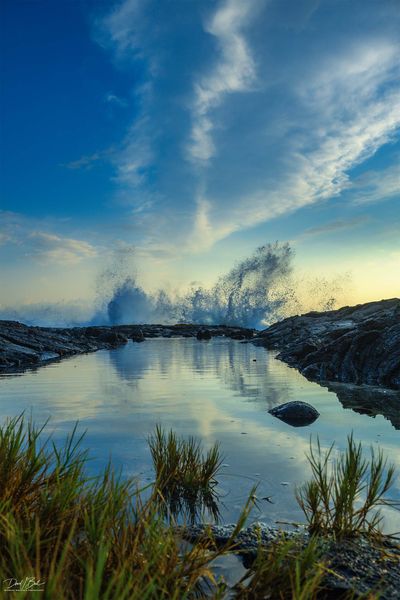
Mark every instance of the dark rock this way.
pixel 359 344
pixel 357 567
pixel 113 338
pixel 137 336
pixel 23 347
pixel 296 413
pixel 369 400
pixel 203 334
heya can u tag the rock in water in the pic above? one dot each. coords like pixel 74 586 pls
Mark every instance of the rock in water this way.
pixel 296 413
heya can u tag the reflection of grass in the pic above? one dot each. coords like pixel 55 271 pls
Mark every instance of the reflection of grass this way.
pixel 332 501
pixel 185 476
pixel 96 538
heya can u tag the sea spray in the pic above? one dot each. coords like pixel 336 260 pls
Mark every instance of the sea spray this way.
pixel 257 291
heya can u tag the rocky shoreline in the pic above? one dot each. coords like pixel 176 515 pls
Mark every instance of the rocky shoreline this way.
pixel 358 345
pixel 23 346
pixel 357 566
pixel 355 344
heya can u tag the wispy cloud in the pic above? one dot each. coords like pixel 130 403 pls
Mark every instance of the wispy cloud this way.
pixel 376 186
pixel 348 108
pixel 136 154
pixel 335 226
pixel 117 100
pixel 85 162
pixel 273 122
pixel 234 71
pixel 122 27
pixel 49 247
pixel 23 233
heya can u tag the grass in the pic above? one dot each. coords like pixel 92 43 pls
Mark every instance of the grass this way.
pixel 185 476
pixel 90 538
pixel 284 570
pixel 342 499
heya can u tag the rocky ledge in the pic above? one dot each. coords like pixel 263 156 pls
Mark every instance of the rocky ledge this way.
pixel 22 346
pixel 355 344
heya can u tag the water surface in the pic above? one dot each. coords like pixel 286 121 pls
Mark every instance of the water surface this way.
pixel 216 390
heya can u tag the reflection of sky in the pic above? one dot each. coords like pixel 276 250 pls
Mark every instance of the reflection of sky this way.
pixel 215 390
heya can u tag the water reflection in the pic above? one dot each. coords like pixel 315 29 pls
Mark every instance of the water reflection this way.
pixel 185 508
pixel 232 362
pixel 218 390
pixel 368 400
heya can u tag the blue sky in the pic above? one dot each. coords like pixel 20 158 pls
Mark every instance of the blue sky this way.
pixel 194 131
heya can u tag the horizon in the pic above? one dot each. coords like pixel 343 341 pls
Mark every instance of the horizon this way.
pixel 183 136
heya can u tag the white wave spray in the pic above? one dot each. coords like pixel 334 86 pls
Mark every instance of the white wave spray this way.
pixel 257 291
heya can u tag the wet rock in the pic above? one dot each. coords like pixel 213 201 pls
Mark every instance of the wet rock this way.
pixel 355 567
pixel 296 413
pixel 355 344
pixel 203 334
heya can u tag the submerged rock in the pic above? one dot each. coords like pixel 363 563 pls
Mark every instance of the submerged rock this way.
pixel 296 413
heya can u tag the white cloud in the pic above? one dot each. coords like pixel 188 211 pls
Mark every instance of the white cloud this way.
pixel 348 108
pixel 23 233
pixel 114 99
pixel 136 154
pixel 375 186
pixel 234 71
pixel 49 247
pixel 334 226
pixel 121 26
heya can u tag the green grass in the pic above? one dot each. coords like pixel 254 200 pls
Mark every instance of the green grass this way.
pixel 284 570
pixel 90 538
pixel 343 498
pixel 185 475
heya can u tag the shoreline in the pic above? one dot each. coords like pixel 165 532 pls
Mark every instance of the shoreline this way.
pixel 23 346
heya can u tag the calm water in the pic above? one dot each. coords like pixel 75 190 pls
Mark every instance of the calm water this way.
pixel 217 390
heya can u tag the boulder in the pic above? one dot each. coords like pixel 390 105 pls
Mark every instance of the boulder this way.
pixel 296 413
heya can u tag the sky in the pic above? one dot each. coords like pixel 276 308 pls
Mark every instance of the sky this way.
pixel 185 133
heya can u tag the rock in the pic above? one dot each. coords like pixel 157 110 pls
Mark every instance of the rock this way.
pixel 22 346
pixel 203 334
pixel 113 338
pixel 137 336
pixel 296 413
pixel 356 567
pixel 355 344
